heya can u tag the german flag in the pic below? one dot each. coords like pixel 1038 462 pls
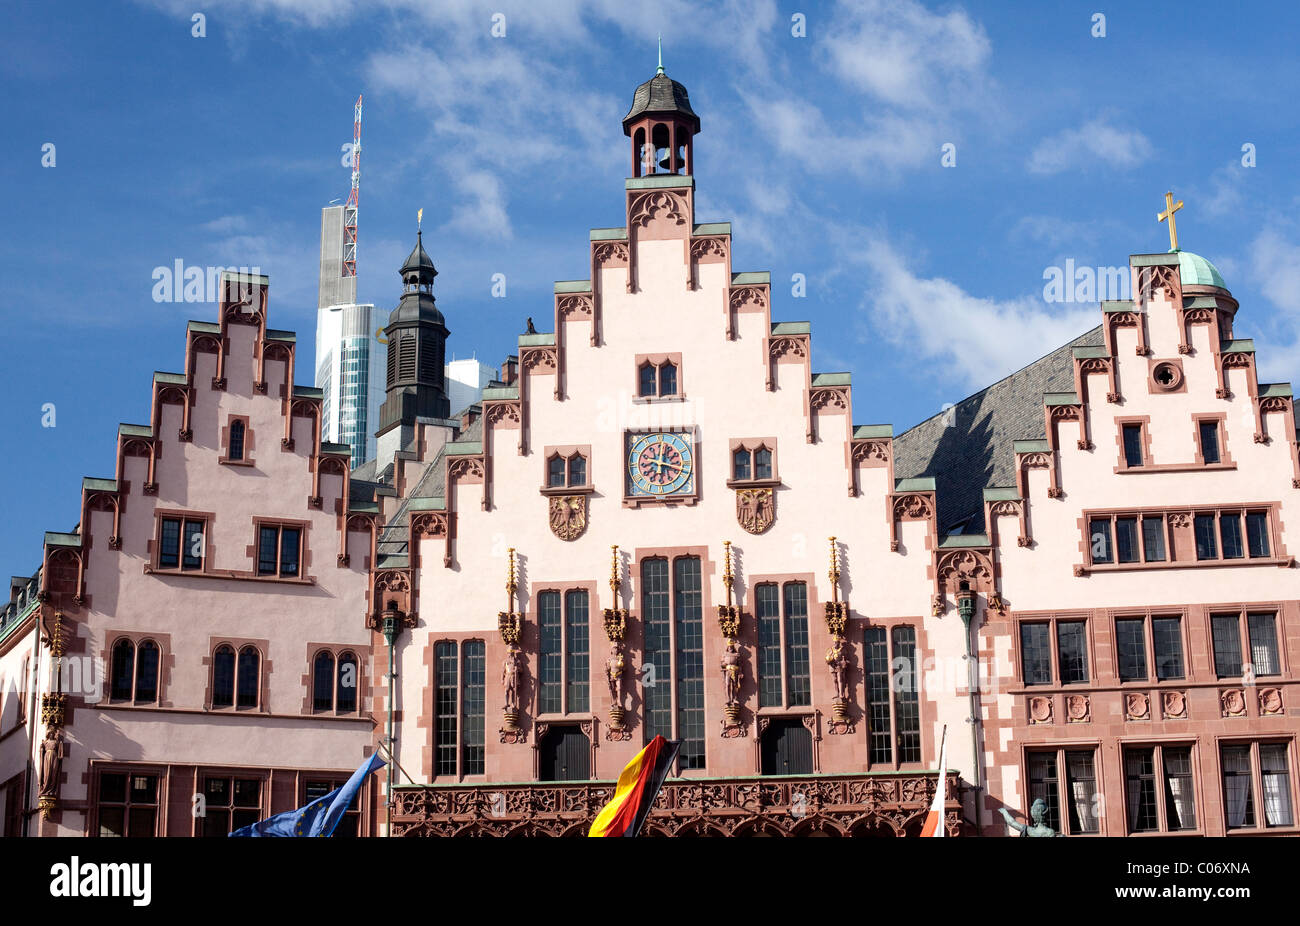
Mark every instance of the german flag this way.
pixel 638 785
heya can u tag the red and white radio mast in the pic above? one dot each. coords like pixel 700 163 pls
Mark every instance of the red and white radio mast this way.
pixel 350 210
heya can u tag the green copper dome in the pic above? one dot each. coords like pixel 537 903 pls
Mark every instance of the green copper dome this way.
pixel 1197 271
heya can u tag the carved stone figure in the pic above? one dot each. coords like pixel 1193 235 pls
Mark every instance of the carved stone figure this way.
pixel 839 663
pixel 1034 828
pixel 53 750
pixel 614 666
pixel 510 671
pixel 732 673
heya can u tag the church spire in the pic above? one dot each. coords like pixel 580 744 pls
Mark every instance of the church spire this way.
pixel 417 346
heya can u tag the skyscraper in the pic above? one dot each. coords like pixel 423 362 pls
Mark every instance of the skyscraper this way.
pixel 348 358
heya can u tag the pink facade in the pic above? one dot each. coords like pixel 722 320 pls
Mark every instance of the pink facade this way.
pixel 663 519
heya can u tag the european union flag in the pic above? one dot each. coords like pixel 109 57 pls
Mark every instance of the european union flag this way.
pixel 321 816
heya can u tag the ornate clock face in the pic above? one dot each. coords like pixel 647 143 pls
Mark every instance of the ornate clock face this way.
pixel 661 464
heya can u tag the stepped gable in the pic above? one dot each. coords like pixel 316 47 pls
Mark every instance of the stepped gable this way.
pixel 977 450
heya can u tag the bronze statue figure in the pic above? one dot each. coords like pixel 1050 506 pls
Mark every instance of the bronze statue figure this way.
pixel 839 664
pixel 1034 828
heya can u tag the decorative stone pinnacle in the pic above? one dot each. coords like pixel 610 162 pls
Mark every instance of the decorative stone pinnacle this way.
pixel 728 578
pixel 511 584
pixel 615 581
pixel 834 573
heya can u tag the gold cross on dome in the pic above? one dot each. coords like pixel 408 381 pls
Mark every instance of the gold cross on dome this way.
pixel 1170 208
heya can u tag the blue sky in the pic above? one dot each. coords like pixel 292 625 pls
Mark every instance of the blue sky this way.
pixel 824 151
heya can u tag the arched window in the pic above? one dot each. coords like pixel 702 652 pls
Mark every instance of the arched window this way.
pixel 349 680
pixel 249 663
pixel 323 682
pixel 123 675
pixel 647 380
pixel 577 470
pixel 146 673
pixel 762 463
pixel 555 472
pixel 668 379
pixel 223 676
pixel 236 440
pixel 740 464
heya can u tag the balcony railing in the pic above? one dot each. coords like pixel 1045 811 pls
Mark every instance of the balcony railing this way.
pixel 873 804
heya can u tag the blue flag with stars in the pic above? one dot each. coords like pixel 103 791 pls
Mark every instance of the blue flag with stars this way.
pixel 321 816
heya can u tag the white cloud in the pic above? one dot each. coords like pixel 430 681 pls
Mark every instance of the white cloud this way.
pixel 904 55
pixel 979 339
pixel 1097 142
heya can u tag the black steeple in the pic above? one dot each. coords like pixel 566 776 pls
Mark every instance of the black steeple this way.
pixel 417 347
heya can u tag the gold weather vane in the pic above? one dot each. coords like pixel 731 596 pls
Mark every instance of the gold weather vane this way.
pixel 419 219
pixel 1170 208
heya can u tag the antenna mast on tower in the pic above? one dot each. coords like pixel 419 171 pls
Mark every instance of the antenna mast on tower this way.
pixel 350 209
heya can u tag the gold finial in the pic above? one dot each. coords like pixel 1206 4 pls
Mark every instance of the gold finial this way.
pixel 1170 208
pixel 728 578
pixel 511 584
pixel 834 573
pixel 614 580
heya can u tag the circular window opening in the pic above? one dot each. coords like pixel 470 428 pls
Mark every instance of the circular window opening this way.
pixel 1167 376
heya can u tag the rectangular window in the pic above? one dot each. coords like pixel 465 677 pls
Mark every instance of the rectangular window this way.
pixel 1257 533
pixel 1130 642
pixel 1225 629
pixel 192 551
pixel 1156 776
pixel 445 683
pixel 1099 540
pixel 688 614
pixel 1167 632
pixel 550 654
pixel 1081 800
pixel 657 680
pixel 278 550
pixel 128 804
pixel 1126 540
pixel 169 552
pixel 314 789
pixel 231 804
pixel 1036 653
pixel 907 711
pixel 1206 544
pixel 577 470
pixel 1072 652
pixel 1044 786
pixel 796 643
pixel 1153 538
pixel 472 751
pixel 768 655
pixel 1277 785
pixel 1133 444
pixel 1238 788
pixel 555 472
pixel 1230 531
pixel 876 657
pixel 1209 431
pixel 577 659
pixel 1263 643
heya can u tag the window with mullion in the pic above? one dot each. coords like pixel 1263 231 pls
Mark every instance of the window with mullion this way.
pixel 1072 651
pixel 230 803
pixel 656 623
pixel 550 654
pixel 128 804
pixel 1044 786
pixel 474 676
pixel 445 692
pixel 1131 648
pixel 767 614
pixel 577 659
pixel 1156 778
pixel 907 708
pixel 796 644
pixel 880 748
pixel 1036 653
pixel 1225 632
pixel 689 626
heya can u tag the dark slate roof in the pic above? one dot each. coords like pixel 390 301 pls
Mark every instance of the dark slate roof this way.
pixel 661 94
pixel 976 451
pixel 419 261
pixel 393 538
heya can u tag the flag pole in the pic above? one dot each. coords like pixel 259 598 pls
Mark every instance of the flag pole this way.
pixel 392 758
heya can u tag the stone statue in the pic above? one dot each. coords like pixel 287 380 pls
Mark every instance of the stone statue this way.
pixel 732 673
pixel 510 677
pixel 839 664
pixel 614 673
pixel 1035 828
pixel 53 750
